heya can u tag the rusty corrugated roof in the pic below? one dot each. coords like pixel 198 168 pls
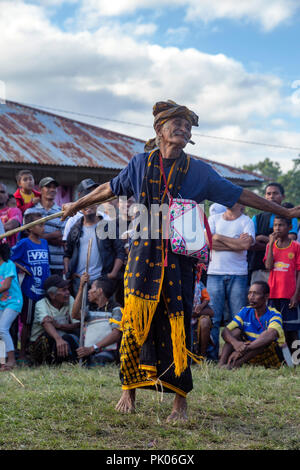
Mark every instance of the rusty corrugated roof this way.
pixel 32 136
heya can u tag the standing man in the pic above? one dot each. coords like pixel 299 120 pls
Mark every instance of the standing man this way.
pixel 53 228
pixel 227 275
pixel 107 255
pixel 85 187
pixel 11 217
pixel 263 224
pixel 156 331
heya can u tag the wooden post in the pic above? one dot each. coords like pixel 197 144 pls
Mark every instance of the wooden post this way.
pixel 84 297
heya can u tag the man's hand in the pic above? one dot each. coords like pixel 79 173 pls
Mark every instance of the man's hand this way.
pixel 35 200
pixel 294 212
pixel 84 280
pixel 273 237
pixel 240 347
pixel 69 210
pixel 84 351
pixel 294 301
pixel 233 358
pixel 62 347
pixel 197 311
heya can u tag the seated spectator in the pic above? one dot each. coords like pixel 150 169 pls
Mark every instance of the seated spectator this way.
pixel 54 335
pixel 11 217
pixel 53 228
pixel 11 302
pixel 107 255
pixel 31 256
pixel 255 334
pixel 282 259
pixel 201 317
pixel 26 196
pixel 107 336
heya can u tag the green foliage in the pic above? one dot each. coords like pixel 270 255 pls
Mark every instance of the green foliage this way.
pixel 290 180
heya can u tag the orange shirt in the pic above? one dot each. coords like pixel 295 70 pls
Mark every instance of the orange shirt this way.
pixel 282 279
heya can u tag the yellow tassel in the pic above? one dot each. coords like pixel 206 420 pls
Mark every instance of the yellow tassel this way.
pixel 178 343
pixel 139 313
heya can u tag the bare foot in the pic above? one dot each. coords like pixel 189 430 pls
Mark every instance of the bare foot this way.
pixel 126 403
pixel 179 411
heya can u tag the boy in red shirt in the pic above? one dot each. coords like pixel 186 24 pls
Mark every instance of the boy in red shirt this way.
pixel 282 258
pixel 26 196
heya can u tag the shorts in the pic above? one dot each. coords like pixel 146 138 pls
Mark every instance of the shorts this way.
pixel 27 313
pixel 290 316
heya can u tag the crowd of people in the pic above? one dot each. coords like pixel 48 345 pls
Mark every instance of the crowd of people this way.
pixel 246 297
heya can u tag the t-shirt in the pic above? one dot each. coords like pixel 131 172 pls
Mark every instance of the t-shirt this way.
pixel 201 182
pixel 111 314
pixel 247 321
pixel 282 279
pixel 11 298
pixel 230 262
pixel 44 308
pixel 11 213
pixel 95 266
pixel 56 252
pixel 35 258
pixel 263 223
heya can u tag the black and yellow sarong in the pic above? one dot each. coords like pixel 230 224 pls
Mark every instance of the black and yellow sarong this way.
pixel 158 299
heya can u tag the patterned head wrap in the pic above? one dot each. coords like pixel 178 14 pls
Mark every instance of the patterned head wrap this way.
pixel 165 110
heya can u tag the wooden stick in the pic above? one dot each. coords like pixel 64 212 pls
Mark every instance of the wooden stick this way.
pixel 43 220
pixel 84 294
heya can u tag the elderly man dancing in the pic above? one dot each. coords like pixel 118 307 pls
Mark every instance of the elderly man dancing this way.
pixel 156 318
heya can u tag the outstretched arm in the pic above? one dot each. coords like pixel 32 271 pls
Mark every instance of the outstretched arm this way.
pixel 100 194
pixel 248 198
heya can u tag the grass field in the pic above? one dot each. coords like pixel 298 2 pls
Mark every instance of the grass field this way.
pixel 73 408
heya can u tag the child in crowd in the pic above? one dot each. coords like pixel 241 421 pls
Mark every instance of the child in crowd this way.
pixel 282 258
pixel 31 255
pixel 201 317
pixel 11 302
pixel 26 196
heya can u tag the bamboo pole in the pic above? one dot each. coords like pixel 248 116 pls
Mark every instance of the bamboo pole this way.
pixel 43 220
pixel 84 296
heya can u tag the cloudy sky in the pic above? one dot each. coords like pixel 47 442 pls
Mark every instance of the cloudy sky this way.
pixel 236 64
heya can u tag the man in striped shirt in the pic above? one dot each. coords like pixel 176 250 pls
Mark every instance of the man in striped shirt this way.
pixel 53 228
pixel 255 334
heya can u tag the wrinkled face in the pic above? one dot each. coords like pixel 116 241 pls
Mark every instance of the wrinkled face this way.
pixel 95 294
pixel 61 296
pixel 49 191
pixel 273 194
pixel 256 296
pixel 176 131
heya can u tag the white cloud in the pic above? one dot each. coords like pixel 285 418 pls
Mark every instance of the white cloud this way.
pixel 268 13
pixel 115 73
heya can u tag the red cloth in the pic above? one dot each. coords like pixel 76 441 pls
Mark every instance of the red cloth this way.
pixel 282 279
pixel 20 201
pixel 9 213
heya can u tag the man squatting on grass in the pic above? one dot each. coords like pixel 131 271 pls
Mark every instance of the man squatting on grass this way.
pixel 157 313
pixel 255 334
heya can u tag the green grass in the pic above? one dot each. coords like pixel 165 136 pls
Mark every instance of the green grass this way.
pixel 74 408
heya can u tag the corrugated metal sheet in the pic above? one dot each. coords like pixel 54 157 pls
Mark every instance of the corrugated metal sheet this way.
pixel 32 136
